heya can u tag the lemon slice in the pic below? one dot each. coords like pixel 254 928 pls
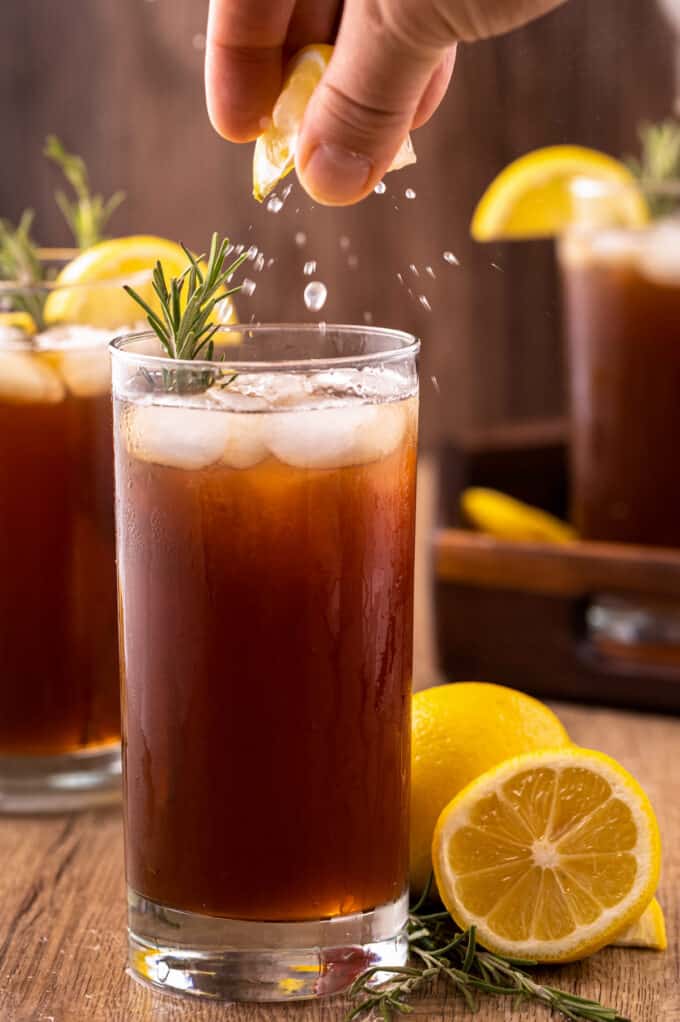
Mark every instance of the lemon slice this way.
pixel 274 155
pixel 89 288
pixel 550 855
pixel 506 518
pixel 536 195
pixel 649 931
pixel 22 322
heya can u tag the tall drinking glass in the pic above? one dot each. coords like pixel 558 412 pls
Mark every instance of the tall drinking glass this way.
pixel 622 303
pixel 59 701
pixel 265 522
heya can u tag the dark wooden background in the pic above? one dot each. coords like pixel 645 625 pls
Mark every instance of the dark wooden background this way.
pixel 121 82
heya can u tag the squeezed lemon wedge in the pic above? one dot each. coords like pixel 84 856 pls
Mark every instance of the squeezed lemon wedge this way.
pixel 274 156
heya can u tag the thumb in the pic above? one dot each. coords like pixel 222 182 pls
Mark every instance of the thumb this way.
pixel 364 106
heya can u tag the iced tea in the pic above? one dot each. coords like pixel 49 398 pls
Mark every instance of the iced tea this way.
pixel 265 548
pixel 622 298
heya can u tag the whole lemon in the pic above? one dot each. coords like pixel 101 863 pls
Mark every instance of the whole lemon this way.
pixel 460 731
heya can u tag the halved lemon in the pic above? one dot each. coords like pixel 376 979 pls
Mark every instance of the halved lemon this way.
pixel 649 931
pixel 550 855
pixel 274 155
pixel 502 516
pixel 89 288
pixel 536 196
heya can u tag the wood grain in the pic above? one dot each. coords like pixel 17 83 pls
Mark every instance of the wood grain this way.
pixel 121 82
pixel 62 915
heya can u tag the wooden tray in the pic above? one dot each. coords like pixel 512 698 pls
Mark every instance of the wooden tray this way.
pixel 516 613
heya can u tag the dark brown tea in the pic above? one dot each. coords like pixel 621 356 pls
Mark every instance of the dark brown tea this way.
pixel 58 646
pixel 266 574
pixel 622 292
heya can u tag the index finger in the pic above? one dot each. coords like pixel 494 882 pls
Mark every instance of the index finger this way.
pixel 243 63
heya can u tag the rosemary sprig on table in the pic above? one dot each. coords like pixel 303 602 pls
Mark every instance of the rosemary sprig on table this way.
pixel 20 264
pixel 658 167
pixel 183 320
pixel 441 951
pixel 88 214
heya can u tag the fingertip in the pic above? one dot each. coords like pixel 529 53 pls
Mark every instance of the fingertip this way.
pixel 241 89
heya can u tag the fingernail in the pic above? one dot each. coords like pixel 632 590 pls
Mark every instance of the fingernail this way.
pixel 334 175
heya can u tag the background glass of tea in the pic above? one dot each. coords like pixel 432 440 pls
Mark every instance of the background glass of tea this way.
pixel 265 546
pixel 59 701
pixel 622 305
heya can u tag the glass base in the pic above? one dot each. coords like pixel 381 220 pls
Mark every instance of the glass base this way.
pixel 56 784
pixel 237 960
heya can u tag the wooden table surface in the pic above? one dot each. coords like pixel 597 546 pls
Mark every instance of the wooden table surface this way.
pixel 62 915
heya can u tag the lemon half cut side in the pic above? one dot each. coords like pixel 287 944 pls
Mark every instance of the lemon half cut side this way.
pixel 549 855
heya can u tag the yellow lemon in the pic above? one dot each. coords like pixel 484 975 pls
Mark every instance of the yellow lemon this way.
pixel 649 931
pixel 459 731
pixel 89 288
pixel 549 855
pixel 534 197
pixel 22 322
pixel 274 155
pixel 506 518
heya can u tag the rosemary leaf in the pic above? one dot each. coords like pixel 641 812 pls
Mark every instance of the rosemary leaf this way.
pixel 441 951
pixel 87 214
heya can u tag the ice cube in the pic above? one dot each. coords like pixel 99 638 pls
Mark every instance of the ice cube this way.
pixel 86 373
pixel 28 379
pixel 176 435
pixel 335 437
pixel 245 444
pixel 659 258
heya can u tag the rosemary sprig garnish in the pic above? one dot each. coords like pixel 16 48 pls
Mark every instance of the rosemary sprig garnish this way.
pixel 86 215
pixel 439 950
pixel 658 167
pixel 183 321
pixel 20 264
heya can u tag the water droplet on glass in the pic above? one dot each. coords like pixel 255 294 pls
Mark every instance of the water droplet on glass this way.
pixel 414 269
pixel 353 261
pixel 248 286
pixel 380 188
pixel 252 253
pixel 449 257
pixel 344 242
pixel 300 239
pixel 409 193
pixel 424 302
pixel 198 42
pixel 259 263
pixel 430 272
pixel 368 317
pixel 309 267
pixel 274 204
pixel 315 295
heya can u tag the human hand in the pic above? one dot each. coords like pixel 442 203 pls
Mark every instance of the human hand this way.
pixel 391 66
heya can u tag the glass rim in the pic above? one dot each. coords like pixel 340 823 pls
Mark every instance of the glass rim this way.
pixel 405 346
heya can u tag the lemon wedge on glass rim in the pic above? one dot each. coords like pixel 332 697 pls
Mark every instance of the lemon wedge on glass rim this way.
pixel 545 191
pixel 274 156
pixel 549 855
pixel 104 268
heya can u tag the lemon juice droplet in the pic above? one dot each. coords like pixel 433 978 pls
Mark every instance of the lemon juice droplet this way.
pixel 248 287
pixel 380 188
pixel 449 257
pixel 309 268
pixel 409 193
pixel 274 204
pixel 300 239
pixel 315 295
